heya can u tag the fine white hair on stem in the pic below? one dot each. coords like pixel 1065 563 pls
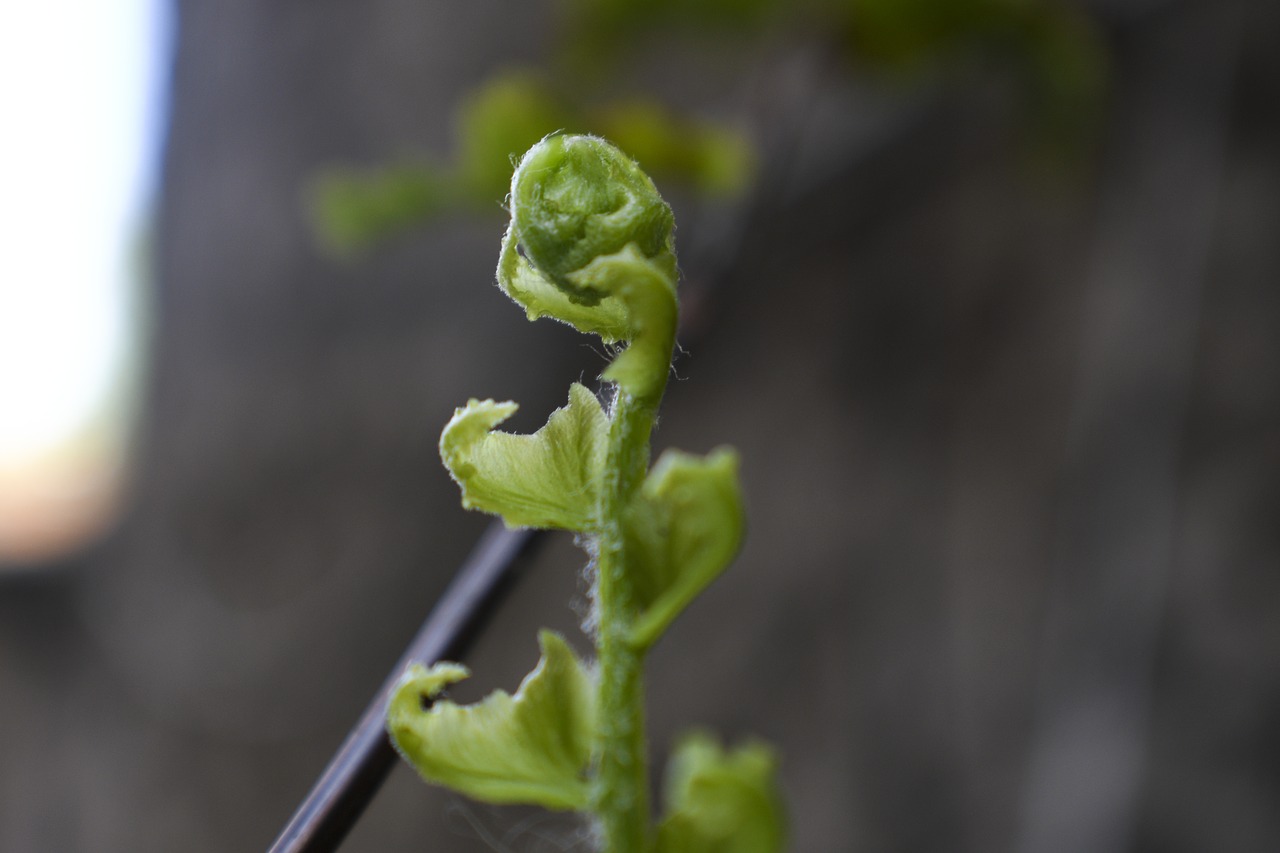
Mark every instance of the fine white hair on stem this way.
pixel 589 611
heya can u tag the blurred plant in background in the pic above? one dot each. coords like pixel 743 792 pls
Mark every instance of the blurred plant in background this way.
pixel 1051 49
pixel 509 114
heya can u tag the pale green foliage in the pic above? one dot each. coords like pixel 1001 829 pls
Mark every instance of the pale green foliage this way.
pixel 715 159
pixel 355 208
pixel 575 198
pixel 497 121
pixel 685 525
pixel 1054 50
pixel 721 802
pixel 590 244
pixel 548 479
pixel 533 747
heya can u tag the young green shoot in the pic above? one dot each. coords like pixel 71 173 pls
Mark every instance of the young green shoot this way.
pixel 591 244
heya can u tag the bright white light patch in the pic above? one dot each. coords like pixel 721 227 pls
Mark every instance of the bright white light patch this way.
pixel 78 82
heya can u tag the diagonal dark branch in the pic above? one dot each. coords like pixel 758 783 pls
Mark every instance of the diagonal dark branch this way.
pixel 366 756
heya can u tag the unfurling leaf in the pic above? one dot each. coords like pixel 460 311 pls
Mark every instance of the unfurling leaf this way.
pixel 548 479
pixel 574 198
pixel 721 802
pixel 590 244
pixel 684 526
pixel 534 747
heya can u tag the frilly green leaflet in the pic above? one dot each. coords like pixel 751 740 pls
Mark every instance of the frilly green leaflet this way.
pixel 533 747
pixel 721 802
pixel 548 479
pixel 685 526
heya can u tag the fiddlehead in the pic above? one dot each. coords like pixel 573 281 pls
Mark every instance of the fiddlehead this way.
pixel 591 243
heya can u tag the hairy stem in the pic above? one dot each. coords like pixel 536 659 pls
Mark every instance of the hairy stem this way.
pixel 621 796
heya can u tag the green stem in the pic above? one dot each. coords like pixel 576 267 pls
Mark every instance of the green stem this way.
pixel 621 795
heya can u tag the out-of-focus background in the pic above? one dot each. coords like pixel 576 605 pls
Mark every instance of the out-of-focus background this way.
pixel 989 300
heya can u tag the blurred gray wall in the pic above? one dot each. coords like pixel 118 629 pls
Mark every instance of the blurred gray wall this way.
pixel 1010 441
